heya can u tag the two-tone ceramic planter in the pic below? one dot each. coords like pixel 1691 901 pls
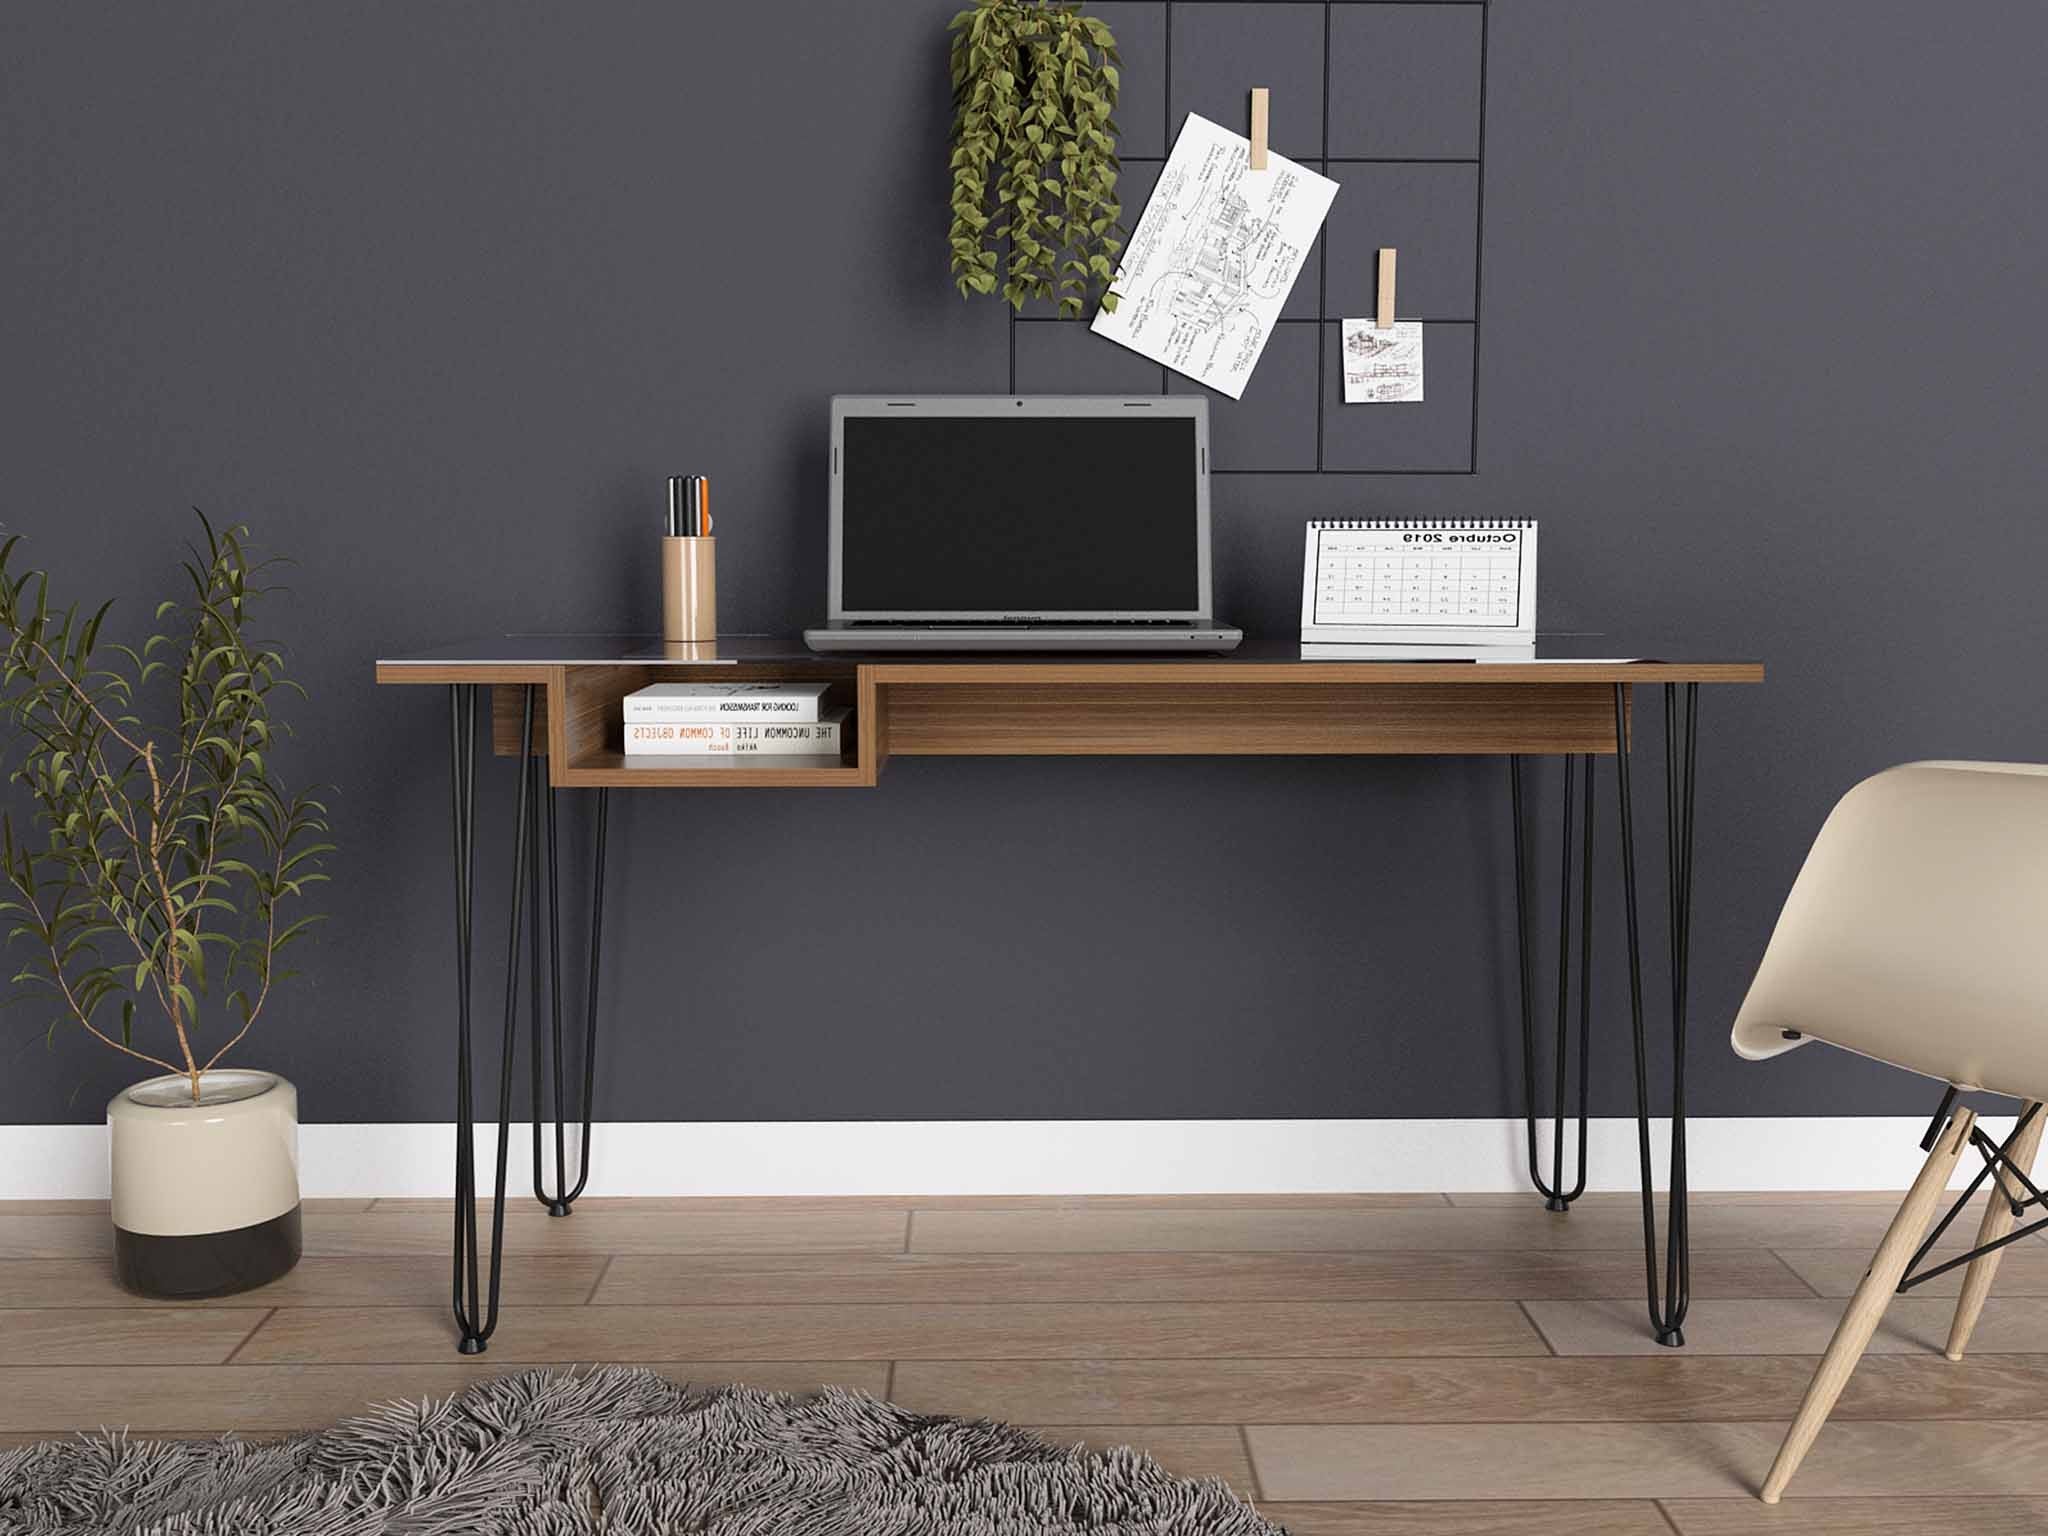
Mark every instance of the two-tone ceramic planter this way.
pixel 206 1193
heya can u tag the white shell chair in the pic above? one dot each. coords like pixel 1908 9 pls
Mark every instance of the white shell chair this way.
pixel 1917 933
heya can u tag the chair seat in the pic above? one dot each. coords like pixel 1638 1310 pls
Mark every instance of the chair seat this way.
pixel 1917 932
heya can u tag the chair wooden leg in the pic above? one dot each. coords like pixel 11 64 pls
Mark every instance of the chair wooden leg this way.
pixel 1866 1307
pixel 1998 1220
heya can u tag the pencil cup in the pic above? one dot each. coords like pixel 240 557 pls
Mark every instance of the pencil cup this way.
pixel 689 590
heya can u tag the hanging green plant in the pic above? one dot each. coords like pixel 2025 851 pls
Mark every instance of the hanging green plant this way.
pixel 1034 154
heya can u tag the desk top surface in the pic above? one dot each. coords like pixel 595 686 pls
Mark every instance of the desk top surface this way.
pixel 1574 658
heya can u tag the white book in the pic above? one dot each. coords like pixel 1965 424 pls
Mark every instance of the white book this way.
pixel 797 702
pixel 736 738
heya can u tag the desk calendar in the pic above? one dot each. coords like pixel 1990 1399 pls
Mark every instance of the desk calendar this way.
pixel 1430 589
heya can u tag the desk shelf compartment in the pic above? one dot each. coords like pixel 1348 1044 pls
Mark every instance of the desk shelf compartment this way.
pixel 589 745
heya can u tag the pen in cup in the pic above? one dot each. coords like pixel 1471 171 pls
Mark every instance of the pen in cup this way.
pixel 689 507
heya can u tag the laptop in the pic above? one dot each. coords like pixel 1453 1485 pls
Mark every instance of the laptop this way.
pixel 1007 523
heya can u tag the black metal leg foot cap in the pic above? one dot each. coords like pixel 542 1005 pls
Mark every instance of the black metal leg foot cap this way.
pixel 558 1207
pixel 1557 1203
pixel 1671 1338
pixel 470 1345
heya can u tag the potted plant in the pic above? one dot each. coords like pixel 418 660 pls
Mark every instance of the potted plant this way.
pixel 1034 87
pixel 153 889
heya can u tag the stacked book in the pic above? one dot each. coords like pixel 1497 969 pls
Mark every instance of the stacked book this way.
pixel 731 720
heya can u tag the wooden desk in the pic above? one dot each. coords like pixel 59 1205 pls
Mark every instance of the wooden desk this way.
pixel 555 706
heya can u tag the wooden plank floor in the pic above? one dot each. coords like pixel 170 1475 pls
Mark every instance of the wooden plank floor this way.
pixel 1362 1366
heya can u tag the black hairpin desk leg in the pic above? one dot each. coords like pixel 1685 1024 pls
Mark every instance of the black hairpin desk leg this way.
pixel 476 1301
pixel 1681 721
pixel 559 1203
pixel 1555 1196
pixel 476 1282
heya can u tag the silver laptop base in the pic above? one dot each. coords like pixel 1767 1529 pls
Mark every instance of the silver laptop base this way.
pixel 1153 638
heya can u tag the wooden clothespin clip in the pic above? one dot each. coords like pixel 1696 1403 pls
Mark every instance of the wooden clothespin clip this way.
pixel 1260 96
pixel 1384 319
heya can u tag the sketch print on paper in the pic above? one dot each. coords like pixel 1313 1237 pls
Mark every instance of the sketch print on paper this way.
pixel 1382 366
pixel 1215 256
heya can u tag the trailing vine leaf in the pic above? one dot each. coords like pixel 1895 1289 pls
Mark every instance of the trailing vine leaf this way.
pixel 163 857
pixel 1034 154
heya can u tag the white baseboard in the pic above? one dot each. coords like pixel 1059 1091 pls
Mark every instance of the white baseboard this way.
pixel 1045 1157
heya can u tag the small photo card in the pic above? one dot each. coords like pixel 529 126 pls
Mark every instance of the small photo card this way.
pixel 1382 366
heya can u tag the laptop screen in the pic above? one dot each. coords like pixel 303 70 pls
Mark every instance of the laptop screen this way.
pixel 1019 516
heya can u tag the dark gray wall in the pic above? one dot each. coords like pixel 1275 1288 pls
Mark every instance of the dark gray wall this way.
pixel 434 295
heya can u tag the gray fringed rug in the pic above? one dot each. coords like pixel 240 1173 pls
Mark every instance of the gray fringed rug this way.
pixel 622 1452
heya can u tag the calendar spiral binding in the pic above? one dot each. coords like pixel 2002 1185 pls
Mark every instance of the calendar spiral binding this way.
pixel 1425 524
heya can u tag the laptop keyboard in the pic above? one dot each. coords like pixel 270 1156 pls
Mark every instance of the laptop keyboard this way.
pixel 1021 624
